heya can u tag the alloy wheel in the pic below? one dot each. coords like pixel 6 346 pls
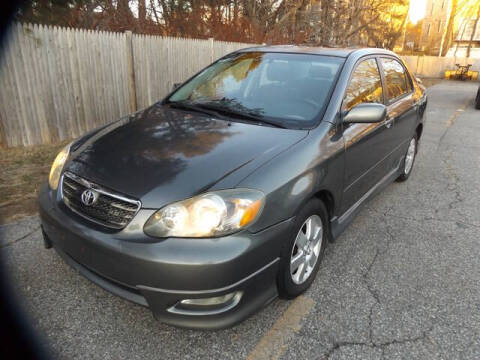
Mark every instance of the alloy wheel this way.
pixel 410 156
pixel 306 249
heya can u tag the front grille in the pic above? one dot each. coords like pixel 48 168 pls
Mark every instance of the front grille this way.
pixel 111 210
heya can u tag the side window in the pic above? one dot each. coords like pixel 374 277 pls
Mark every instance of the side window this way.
pixel 365 85
pixel 396 78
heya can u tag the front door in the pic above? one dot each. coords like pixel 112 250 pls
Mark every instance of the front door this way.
pixel 366 145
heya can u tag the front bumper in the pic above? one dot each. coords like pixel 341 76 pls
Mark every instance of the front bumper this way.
pixel 160 273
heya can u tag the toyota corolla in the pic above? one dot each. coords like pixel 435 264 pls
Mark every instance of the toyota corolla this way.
pixel 224 195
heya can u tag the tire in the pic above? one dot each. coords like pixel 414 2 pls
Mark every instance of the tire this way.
pixel 408 163
pixel 477 101
pixel 291 282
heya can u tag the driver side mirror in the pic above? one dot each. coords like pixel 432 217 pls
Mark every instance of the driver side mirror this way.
pixel 366 113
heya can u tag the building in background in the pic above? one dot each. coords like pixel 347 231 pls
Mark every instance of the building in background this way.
pixel 464 39
pixel 434 25
pixel 413 35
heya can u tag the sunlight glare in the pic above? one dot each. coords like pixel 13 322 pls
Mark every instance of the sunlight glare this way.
pixel 417 10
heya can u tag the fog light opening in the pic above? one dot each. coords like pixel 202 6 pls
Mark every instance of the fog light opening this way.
pixel 207 306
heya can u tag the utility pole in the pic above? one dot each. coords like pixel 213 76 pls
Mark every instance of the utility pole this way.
pixel 448 34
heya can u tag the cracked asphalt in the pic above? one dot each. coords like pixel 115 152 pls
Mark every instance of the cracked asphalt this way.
pixel 402 282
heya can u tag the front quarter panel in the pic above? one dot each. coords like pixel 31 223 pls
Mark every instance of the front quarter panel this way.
pixel 296 175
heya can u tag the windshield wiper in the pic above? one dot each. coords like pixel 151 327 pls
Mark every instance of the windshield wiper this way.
pixel 194 107
pixel 227 110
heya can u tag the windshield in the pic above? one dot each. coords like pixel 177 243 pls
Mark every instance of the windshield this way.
pixel 290 90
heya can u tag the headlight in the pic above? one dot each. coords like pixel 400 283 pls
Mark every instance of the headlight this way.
pixel 57 167
pixel 211 214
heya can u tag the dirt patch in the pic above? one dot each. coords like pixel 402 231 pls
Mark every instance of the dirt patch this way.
pixel 22 171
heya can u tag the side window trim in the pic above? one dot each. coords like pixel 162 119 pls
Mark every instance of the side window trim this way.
pixel 398 98
pixel 380 71
pixel 383 80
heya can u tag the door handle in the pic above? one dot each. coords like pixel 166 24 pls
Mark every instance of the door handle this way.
pixel 388 122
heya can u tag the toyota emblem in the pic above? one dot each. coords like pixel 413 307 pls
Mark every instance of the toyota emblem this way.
pixel 89 197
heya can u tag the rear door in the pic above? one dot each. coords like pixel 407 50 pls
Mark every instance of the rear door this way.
pixel 401 109
pixel 366 145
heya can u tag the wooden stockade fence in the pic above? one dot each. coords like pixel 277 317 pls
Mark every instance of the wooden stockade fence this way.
pixel 57 83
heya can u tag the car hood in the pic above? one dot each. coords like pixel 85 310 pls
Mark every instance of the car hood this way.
pixel 160 155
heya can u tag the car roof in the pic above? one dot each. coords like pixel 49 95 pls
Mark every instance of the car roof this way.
pixel 317 50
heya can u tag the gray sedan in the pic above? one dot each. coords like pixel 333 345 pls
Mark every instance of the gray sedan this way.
pixel 210 203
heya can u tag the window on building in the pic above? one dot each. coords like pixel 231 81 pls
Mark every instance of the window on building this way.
pixel 428 29
pixel 439 25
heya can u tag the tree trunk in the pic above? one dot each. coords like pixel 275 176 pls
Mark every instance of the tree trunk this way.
pixel 326 30
pixel 404 27
pixel 299 19
pixel 142 12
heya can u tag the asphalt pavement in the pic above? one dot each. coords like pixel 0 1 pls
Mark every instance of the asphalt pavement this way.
pixel 402 282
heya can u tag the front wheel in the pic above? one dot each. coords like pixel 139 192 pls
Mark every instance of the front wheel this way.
pixel 303 252
pixel 409 160
pixel 477 101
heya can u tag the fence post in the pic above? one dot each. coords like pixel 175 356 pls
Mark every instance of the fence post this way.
pixel 418 66
pixel 131 71
pixel 212 55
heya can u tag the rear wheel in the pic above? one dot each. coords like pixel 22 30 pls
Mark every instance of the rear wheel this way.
pixel 477 101
pixel 409 160
pixel 303 253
